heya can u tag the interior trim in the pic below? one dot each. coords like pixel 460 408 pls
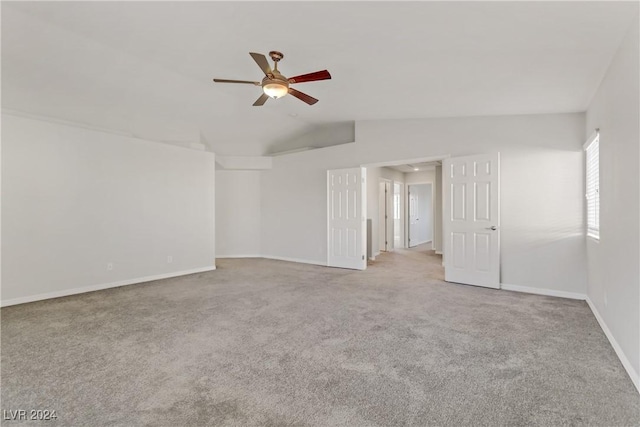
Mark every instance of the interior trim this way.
pixel 99 287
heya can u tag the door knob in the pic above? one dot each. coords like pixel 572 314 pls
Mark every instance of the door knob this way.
pixel 493 227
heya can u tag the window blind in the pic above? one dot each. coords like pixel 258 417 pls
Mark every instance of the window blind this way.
pixel 593 187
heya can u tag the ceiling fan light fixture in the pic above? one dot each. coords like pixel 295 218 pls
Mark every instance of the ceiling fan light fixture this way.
pixel 274 84
pixel 275 90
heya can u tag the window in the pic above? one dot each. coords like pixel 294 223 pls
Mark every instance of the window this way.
pixel 592 147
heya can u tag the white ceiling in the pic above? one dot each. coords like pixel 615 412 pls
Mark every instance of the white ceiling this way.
pixel 146 67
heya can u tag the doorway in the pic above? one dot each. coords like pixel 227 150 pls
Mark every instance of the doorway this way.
pixel 463 216
pixel 388 204
pixel 420 218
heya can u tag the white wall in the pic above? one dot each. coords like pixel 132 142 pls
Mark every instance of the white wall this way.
pixel 613 285
pixel 74 200
pixel 420 177
pixel 294 203
pixel 542 229
pixel 238 213
pixel 542 189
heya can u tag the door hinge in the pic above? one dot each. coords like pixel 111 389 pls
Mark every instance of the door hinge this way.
pixel 363 257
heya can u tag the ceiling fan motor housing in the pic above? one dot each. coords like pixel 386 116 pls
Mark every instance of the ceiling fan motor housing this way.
pixel 275 87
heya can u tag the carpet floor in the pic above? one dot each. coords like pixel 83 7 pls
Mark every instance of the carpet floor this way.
pixel 272 343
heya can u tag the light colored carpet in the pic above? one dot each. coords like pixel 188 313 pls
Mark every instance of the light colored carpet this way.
pixel 261 342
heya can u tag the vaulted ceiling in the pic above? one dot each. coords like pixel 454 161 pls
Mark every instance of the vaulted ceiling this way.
pixel 145 68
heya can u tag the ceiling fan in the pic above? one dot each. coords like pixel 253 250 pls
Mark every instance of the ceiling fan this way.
pixel 275 85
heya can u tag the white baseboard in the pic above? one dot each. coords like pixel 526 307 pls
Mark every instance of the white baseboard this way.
pixel 303 261
pixel 438 252
pixel 238 256
pixel 539 291
pixel 84 289
pixel 616 347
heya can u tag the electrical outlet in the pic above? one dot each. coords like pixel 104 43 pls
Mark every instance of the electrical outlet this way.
pixel 169 259
pixel 109 266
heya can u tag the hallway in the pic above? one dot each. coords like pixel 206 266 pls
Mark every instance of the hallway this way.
pixel 421 259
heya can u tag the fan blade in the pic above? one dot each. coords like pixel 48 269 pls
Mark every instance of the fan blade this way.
pixel 262 62
pixel 303 96
pixel 311 77
pixel 237 81
pixel 260 101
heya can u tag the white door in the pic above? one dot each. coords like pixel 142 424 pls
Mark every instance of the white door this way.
pixel 397 216
pixel 346 201
pixel 385 219
pixel 471 220
pixel 389 226
pixel 420 214
pixel 413 215
pixel 382 215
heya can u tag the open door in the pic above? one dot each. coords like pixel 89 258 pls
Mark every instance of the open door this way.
pixel 398 223
pixel 385 217
pixel 346 202
pixel 471 220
